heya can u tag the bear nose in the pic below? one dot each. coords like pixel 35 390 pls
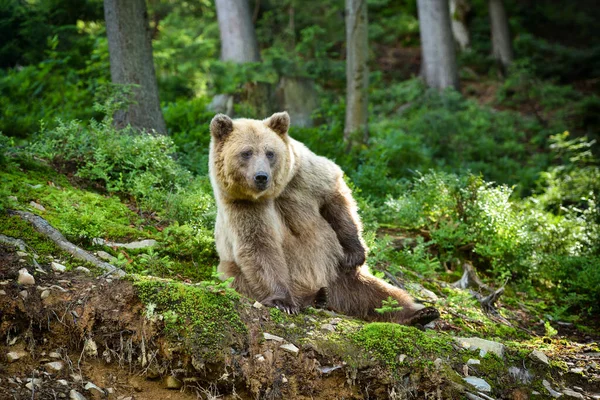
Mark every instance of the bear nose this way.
pixel 261 178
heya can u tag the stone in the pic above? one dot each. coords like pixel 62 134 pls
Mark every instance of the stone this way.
pixel 90 348
pixel 94 390
pixel 268 336
pixel 173 383
pixel 25 278
pixel 56 267
pixel 576 370
pixel 105 256
pixel 37 206
pixel 520 375
pixel 328 369
pixel 572 394
pixel 482 344
pixel 290 348
pixel 30 386
pixel 401 358
pixel 24 294
pixel 257 305
pixel 62 382
pixel 83 270
pixel 284 379
pixel 472 361
pixel 75 395
pixel 259 358
pixel 327 328
pixel 552 392
pixel 54 366
pixel 2 293
pixel 45 294
pixel 478 383
pixel 22 254
pixel 539 356
pixel 335 321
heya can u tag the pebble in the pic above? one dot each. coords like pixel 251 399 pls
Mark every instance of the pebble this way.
pixel 104 255
pixel 284 379
pixel 75 395
pixel 2 293
pixel 54 366
pixel 537 355
pixel 56 267
pixel 552 392
pixel 327 328
pixel 289 348
pixel 25 278
pixel 478 383
pixel 472 361
pixel 83 270
pixel 485 346
pixel 173 383
pixel 62 382
pixel 54 354
pixel 259 358
pixel 24 294
pixel 572 394
pixel 22 254
pixel 257 305
pixel 45 294
pixel 37 206
pixel 90 348
pixel 268 336
pixel 94 390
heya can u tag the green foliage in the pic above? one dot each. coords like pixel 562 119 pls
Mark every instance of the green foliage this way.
pixel 388 306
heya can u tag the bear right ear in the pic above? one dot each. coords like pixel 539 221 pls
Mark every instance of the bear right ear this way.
pixel 221 126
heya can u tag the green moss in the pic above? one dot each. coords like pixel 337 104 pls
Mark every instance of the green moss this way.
pixel 387 341
pixel 15 227
pixel 205 319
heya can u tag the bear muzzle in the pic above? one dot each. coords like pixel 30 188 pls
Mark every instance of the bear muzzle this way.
pixel 261 180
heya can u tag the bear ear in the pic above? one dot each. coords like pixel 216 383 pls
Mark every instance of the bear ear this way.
pixel 279 122
pixel 221 126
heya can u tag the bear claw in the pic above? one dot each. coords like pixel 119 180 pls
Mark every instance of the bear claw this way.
pixel 423 316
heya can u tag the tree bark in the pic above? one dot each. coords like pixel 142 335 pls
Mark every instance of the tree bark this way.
pixel 131 62
pixel 458 16
pixel 437 44
pixel 238 40
pixel 357 72
pixel 501 42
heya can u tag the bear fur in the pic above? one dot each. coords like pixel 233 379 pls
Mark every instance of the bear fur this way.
pixel 287 227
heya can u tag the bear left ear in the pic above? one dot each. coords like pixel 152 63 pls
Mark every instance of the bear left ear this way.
pixel 221 126
pixel 279 122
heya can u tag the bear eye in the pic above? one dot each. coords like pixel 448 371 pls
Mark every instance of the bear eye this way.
pixel 270 155
pixel 246 154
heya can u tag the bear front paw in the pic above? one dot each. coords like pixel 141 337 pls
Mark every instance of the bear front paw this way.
pixel 285 305
pixel 353 259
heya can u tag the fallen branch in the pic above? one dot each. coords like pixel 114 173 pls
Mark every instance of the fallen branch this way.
pixel 43 227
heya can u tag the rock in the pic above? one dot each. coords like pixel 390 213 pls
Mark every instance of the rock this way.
pixel 94 390
pixel 401 358
pixel 2 293
pixel 24 294
pixel 572 394
pixel 290 348
pixel 75 395
pixel 482 344
pixel 284 379
pixel 62 382
pixel 478 383
pixel 104 255
pixel 576 370
pixel 259 358
pixel 13 198
pixel 173 383
pixel 326 370
pixel 30 386
pixel 22 254
pixel 83 270
pixel 327 328
pixel 472 361
pixel 537 355
pixel 268 336
pixel 552 392
pixel 520 375
pixel 56 267
pixel 25 278
pixel 142 244
pixel 269 356
pixel 54 366
pixel 45 294
pixel 335 321
pixel 90 348
pixel 257 305
pixel 37 206
pixel 76 378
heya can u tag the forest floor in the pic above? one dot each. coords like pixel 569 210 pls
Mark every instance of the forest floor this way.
pixel 81 333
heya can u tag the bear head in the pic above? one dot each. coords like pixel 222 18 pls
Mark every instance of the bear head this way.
pixel 251 159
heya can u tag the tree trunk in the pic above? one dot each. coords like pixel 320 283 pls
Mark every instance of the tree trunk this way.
pixel 238 40
pixel 437 44
pixel 501 43
pixel 131 62
pixel 357 72
pixel 459 9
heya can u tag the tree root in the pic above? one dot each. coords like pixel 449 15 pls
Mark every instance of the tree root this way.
pixel 470 279
pixel 18 243
pixel 43 227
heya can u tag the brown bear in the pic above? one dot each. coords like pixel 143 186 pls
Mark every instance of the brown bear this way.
pixel 287 227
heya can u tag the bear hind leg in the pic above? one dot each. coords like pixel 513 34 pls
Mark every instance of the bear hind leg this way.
pixel 359 293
